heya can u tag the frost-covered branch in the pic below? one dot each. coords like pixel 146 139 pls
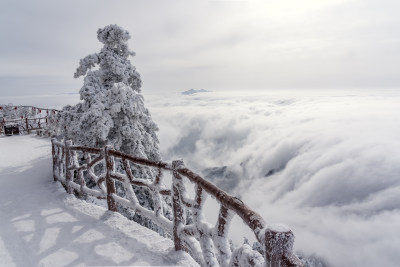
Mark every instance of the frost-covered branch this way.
pixel 86 64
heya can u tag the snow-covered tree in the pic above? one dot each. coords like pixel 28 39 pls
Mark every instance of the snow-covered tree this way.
pixel 113 111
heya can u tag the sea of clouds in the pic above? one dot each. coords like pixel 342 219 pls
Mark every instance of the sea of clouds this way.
pixel 325 163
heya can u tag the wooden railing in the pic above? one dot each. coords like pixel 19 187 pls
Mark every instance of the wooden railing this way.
pixel 28 118
pixel 207 244
pixel 26 125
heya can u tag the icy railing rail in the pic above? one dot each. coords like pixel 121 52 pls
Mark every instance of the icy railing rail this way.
pixel 208 245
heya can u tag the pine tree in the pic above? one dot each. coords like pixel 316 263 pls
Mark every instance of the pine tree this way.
pixel 113 111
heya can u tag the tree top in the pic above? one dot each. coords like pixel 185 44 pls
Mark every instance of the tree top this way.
pixel 113 35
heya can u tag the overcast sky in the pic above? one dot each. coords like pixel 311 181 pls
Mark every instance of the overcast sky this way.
pixel 215 45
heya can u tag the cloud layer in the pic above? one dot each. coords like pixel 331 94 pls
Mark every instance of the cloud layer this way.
pixel 326 164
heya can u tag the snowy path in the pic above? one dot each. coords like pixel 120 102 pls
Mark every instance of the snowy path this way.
pixel 41 225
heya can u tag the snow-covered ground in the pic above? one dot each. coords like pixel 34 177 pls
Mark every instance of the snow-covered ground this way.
pixel 41 225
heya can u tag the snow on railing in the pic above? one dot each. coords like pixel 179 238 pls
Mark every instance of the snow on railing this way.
pixel 208 245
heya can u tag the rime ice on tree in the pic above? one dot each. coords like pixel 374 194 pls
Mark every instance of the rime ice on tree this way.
pixel 113 111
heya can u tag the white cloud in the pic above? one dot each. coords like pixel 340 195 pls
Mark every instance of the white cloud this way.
pixel 326 164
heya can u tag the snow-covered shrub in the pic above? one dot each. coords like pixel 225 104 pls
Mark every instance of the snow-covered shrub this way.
pixel 52 127
pixel 245 256
pixel 113 111
pixel 311 260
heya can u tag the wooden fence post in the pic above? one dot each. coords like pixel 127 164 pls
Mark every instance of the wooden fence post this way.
pixel 112 206
pixel 68 165
pixel 27 125
pixel 224 219
pixel 278 245
pixel 53 153
pixel 179 212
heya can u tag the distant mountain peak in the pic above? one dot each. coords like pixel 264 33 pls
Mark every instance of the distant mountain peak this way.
pixel 194 91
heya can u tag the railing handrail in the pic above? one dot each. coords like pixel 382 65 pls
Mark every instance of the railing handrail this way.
pixel 277 243
pixel 252 219
pixel 24 119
